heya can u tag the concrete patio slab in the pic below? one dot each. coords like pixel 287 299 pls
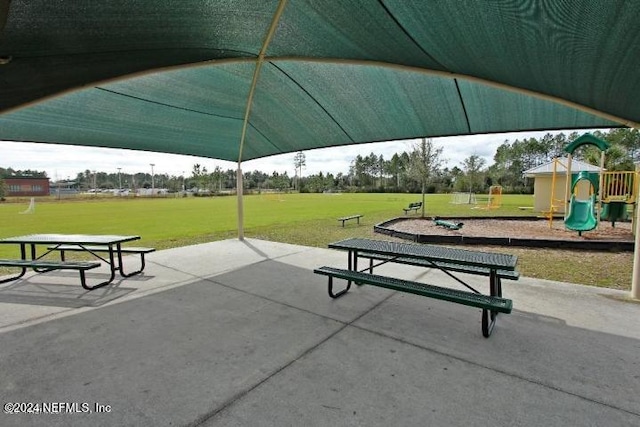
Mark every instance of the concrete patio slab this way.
pixel 243 333
pixel 363 379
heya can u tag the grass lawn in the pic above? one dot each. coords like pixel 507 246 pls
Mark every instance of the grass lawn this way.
pixel 306 219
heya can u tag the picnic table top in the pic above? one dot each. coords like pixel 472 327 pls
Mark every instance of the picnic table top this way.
pixel 431 252
pixel 78 239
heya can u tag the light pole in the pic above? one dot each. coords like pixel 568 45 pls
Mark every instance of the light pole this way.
pixel 152 182
pixel 119 179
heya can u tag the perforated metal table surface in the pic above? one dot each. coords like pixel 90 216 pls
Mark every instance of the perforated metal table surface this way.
pixel 493 261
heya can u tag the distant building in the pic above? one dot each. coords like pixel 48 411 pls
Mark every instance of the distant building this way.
pixel 27 186
pixel 64 188
pixel 543 185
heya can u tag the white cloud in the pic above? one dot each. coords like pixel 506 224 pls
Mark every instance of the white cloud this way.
pixel 64 161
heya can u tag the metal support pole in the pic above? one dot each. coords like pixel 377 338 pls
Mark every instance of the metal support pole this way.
pixel 240 203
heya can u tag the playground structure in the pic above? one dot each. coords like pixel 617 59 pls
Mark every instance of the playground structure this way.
pixel 606 195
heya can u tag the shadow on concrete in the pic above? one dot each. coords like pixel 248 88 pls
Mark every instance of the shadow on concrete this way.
pixel 265 345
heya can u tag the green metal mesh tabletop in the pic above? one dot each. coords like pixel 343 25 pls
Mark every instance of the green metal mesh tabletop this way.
pixel 80 239
pixel 430 252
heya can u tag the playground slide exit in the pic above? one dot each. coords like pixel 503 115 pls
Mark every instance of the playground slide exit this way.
pixel 581 214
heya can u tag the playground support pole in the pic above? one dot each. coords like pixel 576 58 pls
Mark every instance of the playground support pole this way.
pixel 600 192
pixel 553 189
pixel 635 282
pixel 567 188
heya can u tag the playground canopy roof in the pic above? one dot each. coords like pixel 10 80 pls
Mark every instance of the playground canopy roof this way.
pixel 547 168
pixel 239 80
pixel 586 139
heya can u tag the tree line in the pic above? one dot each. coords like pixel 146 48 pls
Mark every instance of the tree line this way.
pixel 402 172
pixel 417 170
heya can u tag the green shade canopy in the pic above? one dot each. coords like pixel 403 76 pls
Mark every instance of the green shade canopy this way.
pixel 180 76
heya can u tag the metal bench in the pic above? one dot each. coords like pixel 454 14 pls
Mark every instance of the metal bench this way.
pixel 490 305
pixel 347 218
pixel 460 268
pixel 412 207
pixel 96 249
pixel 46 265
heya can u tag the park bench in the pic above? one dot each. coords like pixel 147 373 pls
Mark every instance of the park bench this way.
pixel 47 265
pixel 347 218
pixel 412 207
pixel 490 305
pixel 96 249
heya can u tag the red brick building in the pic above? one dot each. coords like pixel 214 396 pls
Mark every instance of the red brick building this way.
pixel 27 186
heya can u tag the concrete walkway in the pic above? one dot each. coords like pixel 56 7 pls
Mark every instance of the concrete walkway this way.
pixel 238 333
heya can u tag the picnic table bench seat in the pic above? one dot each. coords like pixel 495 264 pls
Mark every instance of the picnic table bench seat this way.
pixel 412 207
pixel 490 305
pixel 49 265
pixel 460 268
pixel 347 218
pixel 101 248
pixel 95 249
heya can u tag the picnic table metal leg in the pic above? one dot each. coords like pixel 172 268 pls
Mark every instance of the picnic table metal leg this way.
pixel 123 274
pixel 23 254
pixel 489 316
pixel 83 282
pixel 34 256
pixel 9 279
pixel 342 292
pixel 352 265
pixel 112 267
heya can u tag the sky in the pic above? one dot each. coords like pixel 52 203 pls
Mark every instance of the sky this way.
pixel 62 162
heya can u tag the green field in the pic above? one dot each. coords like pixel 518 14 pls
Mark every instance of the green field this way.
pixel 307 219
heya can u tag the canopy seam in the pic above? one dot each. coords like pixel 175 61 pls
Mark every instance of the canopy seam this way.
pixel 473 79
pixel 165 104
pixel 338 61
pixel 464 108
pixel 267 139
pixel 316 101
pixel 622 121
pixel 404 30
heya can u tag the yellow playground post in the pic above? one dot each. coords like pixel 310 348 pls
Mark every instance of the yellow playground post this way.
pixel 554 202
pixel 495 198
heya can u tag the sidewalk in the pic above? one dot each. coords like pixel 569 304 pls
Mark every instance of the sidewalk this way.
pixel 243 333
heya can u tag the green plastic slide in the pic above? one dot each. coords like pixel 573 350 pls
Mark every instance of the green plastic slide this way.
pixel 581 214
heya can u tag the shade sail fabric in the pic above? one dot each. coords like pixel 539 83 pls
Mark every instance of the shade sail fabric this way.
pixel 175 76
